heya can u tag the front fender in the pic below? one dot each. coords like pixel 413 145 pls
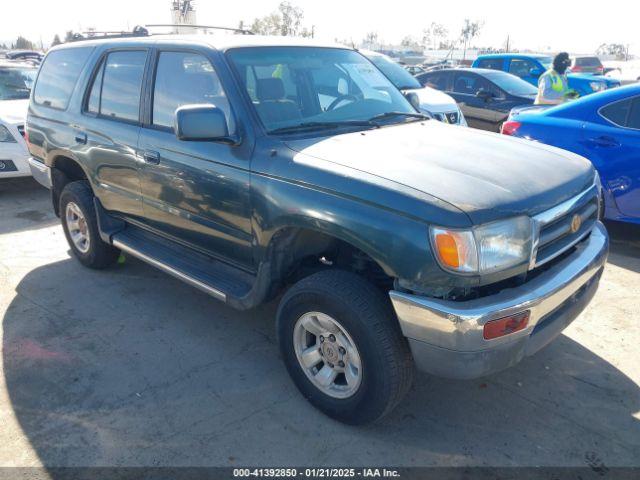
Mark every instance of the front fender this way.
pixel 398 243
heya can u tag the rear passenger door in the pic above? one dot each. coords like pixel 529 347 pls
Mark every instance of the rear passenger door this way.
pixel 110 129
pixel 195 193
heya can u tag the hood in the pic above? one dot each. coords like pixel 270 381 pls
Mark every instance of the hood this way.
pixel 486 175
pixel 14 112
pixel 434 100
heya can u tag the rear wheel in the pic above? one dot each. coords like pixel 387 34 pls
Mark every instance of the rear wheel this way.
pixel 80 226
pixel 343 347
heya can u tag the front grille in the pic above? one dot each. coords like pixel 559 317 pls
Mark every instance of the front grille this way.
pixel 561 228
pixel 21 130
pixel 449 117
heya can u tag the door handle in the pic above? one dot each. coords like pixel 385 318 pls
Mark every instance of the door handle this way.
pixel 81 138
pixel 151 157
pixel 604 141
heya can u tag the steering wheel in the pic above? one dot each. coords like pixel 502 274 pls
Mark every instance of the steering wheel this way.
pixel 341 99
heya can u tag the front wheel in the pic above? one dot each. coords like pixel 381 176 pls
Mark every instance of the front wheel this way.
pixel 343 347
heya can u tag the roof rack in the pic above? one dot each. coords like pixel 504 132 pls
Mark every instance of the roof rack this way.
pixel 201 27
pixel 138 31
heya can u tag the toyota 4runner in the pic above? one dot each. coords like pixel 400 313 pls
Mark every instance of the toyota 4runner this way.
pixel 256 168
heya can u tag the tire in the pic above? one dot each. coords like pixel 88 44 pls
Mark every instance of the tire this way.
pixel 95 253
pixel 367 317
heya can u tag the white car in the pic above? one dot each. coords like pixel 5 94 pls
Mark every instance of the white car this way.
pixel 16 80
pixel 433 102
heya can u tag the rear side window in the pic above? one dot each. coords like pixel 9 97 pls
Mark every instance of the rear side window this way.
pixel 617 112
pixel 436 80
pixel 117 86
pixel 634 116
pixel 58 77
pixel 491 63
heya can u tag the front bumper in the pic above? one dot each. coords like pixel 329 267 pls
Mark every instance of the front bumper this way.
pixel 14 160
pixel 41 173
pixel 446 337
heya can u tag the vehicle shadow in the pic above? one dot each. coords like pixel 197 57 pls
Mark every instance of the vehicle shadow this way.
pixel 625 245
pixel 24 205
pixel 129 367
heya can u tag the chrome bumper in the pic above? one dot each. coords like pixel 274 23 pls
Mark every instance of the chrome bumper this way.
pixel 446 337
pixel 40 172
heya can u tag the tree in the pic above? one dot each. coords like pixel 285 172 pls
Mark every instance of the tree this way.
pixel 68 37
pixel 411 43
pixel 286 21
pixel 56 40
pixel 470 30
pixel 433 35
pixel 24 44
pixel 371 40
pixel 616 49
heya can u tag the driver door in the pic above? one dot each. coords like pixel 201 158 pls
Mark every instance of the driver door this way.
pixel 194 192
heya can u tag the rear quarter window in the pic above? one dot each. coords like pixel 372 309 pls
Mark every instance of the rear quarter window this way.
pixel 59 75
pixel 617 112
pixel 491 63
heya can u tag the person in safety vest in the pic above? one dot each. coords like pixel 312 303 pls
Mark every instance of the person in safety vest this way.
pixel 553 86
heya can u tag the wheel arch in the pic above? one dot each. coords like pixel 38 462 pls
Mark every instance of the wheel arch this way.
pixel 64 169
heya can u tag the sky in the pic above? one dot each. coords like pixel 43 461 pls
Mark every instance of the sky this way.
pixel 542 25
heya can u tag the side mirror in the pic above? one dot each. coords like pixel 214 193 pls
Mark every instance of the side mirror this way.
pixel 413 99
pixel 201 123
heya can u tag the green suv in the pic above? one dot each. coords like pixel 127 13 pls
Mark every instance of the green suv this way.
pixel 259 168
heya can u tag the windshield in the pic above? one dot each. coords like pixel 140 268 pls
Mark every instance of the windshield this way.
pixel 291 86
pixel 546 62
pixel 16 82
pixel 394 72
pixel 511 84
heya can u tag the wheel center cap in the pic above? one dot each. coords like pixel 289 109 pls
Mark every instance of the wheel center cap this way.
pixel 330 352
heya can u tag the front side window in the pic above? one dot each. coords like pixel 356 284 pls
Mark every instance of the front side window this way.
pixel 58 76
pixel 290 86
pixel 185 78
pixel 468 84
pixel 16 82
pixel 117 86
pixel 617 112
pixel 511 84
pixel 521 68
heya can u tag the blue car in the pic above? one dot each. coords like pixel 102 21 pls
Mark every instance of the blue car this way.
pixel 604 128
pixel 530 67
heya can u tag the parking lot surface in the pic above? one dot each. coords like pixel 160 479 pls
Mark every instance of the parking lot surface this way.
pixel 130 367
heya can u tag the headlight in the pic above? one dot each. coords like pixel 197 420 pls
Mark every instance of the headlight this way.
pixel 597 86
pixel 5 135
pixel 485 249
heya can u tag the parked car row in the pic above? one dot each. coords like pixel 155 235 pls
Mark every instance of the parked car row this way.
pixel 486 97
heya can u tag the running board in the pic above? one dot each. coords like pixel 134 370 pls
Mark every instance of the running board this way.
pixel 211 276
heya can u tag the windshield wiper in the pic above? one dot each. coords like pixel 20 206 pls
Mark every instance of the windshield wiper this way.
pixel 406 115
pixel 310 126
